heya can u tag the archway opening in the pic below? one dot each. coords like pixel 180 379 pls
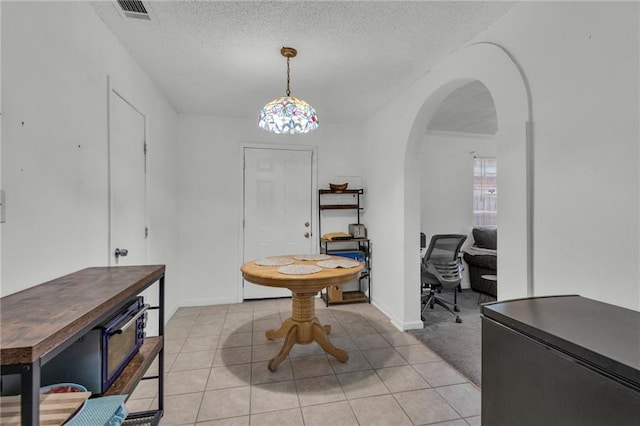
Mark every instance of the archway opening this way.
pixel 457 157
pixel 457 162
pixel 492 67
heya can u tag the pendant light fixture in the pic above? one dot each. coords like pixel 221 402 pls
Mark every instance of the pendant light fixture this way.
pixel 288 114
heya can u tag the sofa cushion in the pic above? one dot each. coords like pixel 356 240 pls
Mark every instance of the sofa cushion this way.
pixel 486 238
pixel 480 261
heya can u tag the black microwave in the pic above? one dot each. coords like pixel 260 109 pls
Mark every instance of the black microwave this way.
pixel 96 359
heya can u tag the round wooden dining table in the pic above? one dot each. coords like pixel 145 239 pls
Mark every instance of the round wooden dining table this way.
pixel 302 327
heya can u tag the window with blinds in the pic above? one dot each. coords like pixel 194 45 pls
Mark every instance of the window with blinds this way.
pixel 485 192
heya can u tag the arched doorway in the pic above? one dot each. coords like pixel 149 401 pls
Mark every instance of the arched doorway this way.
pixel 393 137
pixel 458 142
pixel 495 69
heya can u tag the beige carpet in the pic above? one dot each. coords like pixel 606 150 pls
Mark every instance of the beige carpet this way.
pixel 457 343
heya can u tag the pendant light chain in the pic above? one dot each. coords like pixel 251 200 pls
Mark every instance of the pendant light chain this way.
pixel 288 71
pixel 287 114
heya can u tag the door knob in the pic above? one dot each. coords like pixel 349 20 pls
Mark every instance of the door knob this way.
pixel 306 224
pixel 306 235
pixel 121 252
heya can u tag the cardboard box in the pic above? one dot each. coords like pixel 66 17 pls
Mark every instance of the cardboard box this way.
pixel 335 293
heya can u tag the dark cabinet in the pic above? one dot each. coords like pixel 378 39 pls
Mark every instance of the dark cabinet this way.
pixel 564 360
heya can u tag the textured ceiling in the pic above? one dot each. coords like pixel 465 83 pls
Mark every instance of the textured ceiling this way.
pixel 469 109
pixel 223 58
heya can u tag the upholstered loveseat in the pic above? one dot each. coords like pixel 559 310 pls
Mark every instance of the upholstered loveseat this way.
pixel 481 258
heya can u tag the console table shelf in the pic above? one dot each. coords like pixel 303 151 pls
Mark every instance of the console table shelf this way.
pixel 346 297
pixel 38 323
pixel 133 372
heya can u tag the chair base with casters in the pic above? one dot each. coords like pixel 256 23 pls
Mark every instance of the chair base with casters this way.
pixel 430 300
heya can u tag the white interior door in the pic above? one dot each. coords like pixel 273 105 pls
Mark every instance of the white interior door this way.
pixel 127 183
pixel 277 208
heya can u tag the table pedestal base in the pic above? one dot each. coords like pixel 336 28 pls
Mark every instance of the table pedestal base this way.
pixel 303 327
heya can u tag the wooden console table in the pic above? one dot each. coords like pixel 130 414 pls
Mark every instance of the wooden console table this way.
pixel 38 323
pixel 303 327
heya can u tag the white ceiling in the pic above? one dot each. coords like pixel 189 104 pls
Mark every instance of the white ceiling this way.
pixel 468 109
pixel 223 58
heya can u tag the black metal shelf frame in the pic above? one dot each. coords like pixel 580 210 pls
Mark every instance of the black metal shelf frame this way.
pixel 361 244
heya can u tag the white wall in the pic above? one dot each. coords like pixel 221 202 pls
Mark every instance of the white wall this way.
pixel 446 182
pixel 581 63
pixel 210 195
pixel 56 58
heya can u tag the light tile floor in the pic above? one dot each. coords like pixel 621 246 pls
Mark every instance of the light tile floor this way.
pixel 216 372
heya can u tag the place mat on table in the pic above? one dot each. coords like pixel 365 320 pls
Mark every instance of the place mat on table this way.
pixel 332 264
pixel 274 261
pixel 312 257
pixel 299 269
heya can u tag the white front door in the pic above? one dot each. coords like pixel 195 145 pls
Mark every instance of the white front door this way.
pixel 277 208
pixel 127 183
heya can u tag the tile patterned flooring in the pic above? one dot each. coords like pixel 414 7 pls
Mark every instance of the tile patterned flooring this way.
pixel 216 372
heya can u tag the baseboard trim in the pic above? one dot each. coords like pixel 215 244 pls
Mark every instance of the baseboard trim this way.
pixel 397 324
pixel 415 325
pixel 400 325
pixel 184 303
pixel 404 326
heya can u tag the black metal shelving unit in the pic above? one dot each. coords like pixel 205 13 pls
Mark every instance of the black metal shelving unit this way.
pixel 333 296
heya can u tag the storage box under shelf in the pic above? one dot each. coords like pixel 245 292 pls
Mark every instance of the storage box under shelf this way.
pixel 335 293
pixel 347 297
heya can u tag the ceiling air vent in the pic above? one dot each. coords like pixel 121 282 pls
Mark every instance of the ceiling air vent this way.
pixel 134 9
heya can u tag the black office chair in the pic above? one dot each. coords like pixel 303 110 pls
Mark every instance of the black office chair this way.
pixel 442 269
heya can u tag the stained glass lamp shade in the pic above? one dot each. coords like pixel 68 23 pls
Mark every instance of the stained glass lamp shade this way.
pixel 288 114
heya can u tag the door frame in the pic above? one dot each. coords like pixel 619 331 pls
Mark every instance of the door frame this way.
pixel 115 89
pixel 314 199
